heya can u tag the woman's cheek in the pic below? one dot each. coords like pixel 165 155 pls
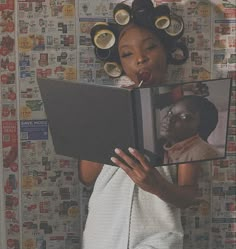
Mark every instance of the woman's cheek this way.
pixel 129 71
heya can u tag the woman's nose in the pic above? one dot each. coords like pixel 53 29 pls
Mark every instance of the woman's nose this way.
pixel 167 119
pixel 141 59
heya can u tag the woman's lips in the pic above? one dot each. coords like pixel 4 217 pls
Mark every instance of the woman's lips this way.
pixel 164 128
pixel 144 76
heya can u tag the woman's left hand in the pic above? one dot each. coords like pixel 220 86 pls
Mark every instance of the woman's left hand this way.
pixel 140 171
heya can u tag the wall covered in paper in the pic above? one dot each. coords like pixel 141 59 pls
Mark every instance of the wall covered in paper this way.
pixel 42 203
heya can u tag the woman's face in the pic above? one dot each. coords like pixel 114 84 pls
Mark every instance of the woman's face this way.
pixel 142 56
pixel 179 123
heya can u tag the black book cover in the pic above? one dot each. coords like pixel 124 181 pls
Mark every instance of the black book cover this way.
pixel 88 121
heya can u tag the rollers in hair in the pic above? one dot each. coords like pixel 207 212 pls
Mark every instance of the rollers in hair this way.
pixel 168 26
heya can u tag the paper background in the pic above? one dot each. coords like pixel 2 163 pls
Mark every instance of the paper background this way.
pixel 42 204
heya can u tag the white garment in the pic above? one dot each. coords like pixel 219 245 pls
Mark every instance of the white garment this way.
pixel 123 216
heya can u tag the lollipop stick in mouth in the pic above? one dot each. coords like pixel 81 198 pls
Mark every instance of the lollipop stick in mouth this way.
pixel 143 77
pixel 140 83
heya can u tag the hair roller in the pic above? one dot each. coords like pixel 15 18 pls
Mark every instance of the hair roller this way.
pixel 142 11
pixel 161 17
pixel 102 54
pixel 176 27
pixel 113 69
pixel 179 45
pixel 103 35
pixel 122 14
pixel 110 54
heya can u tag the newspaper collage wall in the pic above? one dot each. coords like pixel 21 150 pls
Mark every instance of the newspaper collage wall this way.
pixel 42 204
pixel 40 191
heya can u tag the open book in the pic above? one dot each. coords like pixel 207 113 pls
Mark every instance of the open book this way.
pixel 88 121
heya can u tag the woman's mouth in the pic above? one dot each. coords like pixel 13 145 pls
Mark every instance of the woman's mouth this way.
pixel 143 77
pixel 164 128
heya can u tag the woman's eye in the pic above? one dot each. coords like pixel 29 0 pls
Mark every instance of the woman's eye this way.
pixel 152 46
pixel 126 54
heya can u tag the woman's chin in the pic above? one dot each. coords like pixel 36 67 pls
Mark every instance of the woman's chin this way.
pixel 153 82
pixel 164 134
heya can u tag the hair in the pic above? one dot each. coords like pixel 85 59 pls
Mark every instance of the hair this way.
pixel 207 111
pixel 142 13
pixel 166 41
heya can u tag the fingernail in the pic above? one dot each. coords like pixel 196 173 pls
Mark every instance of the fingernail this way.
pixel 113 159
pixel 131 150
pixel 117 151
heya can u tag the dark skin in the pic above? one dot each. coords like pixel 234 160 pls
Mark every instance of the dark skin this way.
pixel 140 52
pixel 179 123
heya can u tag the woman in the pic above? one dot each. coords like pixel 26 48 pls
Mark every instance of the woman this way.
pixel 136 205
pixel 186 127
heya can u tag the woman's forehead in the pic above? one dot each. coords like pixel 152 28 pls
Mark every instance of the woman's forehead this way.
pixel 133 29
pixel 181 105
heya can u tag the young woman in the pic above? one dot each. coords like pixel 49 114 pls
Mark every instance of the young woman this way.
pixel 186 127
pixel 136 205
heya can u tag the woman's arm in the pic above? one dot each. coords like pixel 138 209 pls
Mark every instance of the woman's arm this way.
pixel 149 179
pixel 89 171
pixel 184 194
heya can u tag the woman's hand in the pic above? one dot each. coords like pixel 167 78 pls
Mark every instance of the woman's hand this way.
pixel 139 170
pixel 150 180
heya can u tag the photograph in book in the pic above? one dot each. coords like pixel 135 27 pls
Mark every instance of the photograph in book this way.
pixel 169 124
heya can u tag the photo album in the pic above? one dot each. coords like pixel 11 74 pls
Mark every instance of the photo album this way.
pixel 175 123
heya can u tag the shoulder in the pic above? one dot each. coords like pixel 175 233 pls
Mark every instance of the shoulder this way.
pixel 204 150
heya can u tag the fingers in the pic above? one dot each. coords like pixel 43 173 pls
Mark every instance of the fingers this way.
pixel 140 172
pixel 127 159
pixel 139 157
pixel 133 164
pixel 122 165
